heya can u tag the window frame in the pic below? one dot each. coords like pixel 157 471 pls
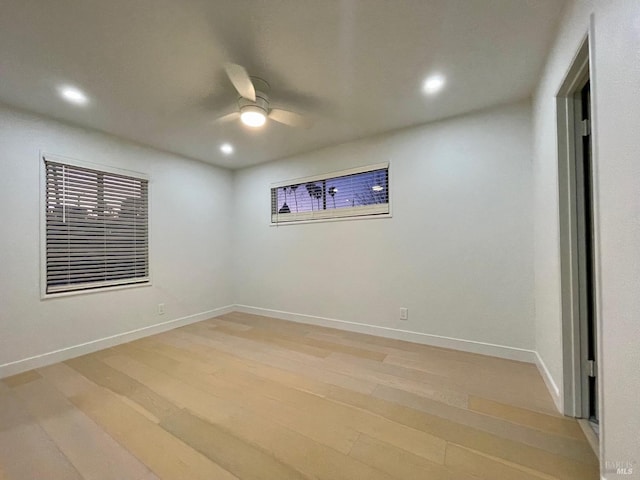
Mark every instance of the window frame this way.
pixel 44 156
pixel 330 215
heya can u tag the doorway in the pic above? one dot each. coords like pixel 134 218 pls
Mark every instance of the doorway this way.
pixel 585 251
pixel 577 242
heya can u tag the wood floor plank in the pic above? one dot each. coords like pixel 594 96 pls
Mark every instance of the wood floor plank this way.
pixel 244 460
pixel 469 437
pixel 308 406
pixel 420 351
pixel 339 436
pixel 26 451
pixel 300 410
pixel 481 381
pixel 150 476
pixel 306 412
pixel 376 374
pixel 49 463
pixel 400 463
pixel 309 341
pixel 291 447
pixel 229 323
pixel 434 387
pixel 272 324
pixel 66 379
pixel 464 373
pixel 540 421
pixel 291 361
pixel 572 447
pixel 334 337
pixel 166 455
pixel 437 360
pixel 347 350
pixel 101 374
pixel 487 467
pixel 349 372
pixel 268 338
pixel 445 362
pixel 313 459
pixel 486 378
pixel 210 360
pixel 94 454
pixel 21 378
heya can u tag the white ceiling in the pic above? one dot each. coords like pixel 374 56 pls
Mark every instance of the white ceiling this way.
pixel 153 69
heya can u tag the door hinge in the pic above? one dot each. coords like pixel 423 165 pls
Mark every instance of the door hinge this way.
pixel 591 367
pixel 585 127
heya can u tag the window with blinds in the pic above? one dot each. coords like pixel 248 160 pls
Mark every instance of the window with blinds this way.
pixel 358 192
pixel 97 228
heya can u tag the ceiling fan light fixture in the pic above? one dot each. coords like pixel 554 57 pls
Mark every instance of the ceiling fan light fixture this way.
pixel 253 116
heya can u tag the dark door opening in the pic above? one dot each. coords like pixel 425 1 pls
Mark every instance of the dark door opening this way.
pixel 587 257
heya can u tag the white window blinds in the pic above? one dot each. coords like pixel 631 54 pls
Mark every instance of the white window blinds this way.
pixel 358 192
pixel 96 228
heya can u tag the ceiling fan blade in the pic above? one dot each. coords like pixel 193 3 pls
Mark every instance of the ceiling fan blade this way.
pixel 289 118
pixel 241 81
pixel 228 117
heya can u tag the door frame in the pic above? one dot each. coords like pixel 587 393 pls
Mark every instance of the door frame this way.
pixel 568 106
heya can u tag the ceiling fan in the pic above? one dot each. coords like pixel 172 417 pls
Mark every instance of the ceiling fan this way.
pixel 253 103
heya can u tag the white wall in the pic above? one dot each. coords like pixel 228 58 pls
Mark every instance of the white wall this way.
pixel 458 251
pixel 616 87
pixel 190 248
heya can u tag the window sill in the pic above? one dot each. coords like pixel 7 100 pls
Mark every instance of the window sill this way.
pixel 48 296
pixel 335 219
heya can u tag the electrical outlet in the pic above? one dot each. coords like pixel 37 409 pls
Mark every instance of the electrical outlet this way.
pixel 161 309
pixel 404 313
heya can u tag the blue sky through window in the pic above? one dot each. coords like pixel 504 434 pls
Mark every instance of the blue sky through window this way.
pixel 361 189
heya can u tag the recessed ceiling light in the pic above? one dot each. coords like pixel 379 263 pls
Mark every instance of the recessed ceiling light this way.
pixel 226 148
pixel 433 84
pixel 73 95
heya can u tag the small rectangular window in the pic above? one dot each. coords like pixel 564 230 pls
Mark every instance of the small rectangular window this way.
pixel 356 192
pixel 97 232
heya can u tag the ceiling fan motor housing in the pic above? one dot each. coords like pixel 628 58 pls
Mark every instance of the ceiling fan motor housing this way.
pixel 260 105
pixel 262 98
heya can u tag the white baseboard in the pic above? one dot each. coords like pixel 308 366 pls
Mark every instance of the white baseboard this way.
pixel 551 385
pixel 501 351
pixel 19 366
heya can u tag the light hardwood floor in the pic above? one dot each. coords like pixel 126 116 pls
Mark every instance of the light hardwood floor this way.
pixel 254 398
